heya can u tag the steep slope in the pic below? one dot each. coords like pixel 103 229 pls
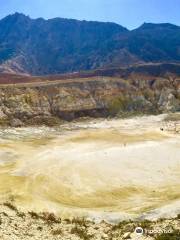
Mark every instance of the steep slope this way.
pixel 156 42
pixel 53 46
pixel 44 101
pixel 41 47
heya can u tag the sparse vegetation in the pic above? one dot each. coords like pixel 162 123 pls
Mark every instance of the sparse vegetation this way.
pixel 145 224
pixel 21 214
pixel 79 221
pixel 175 235
pixel 11 206
pixel 34 215
pixel 81 228
pixel 57 232
pixel 50 218
pixel 81 232
pixel 120 225
pixel 45 216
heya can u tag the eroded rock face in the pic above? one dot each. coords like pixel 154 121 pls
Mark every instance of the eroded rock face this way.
pixel 168 101
pixel 49 103
pixel 3 116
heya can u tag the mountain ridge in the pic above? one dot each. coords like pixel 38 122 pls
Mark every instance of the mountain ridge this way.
pixel 59 45
pixel 20 14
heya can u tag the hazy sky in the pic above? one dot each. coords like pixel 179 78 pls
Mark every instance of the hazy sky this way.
pixel 129 13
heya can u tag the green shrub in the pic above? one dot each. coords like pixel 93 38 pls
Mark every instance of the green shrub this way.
pixel 119 104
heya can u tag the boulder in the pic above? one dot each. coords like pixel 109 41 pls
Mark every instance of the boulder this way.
pixel 15 122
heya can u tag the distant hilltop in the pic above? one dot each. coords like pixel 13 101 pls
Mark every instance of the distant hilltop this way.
pixel 55 46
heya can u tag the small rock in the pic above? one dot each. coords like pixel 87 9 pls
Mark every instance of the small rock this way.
pixel 104 236
pixel 16 123
pixel 127 235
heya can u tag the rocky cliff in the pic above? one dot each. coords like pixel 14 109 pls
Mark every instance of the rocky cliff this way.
pixel 51 102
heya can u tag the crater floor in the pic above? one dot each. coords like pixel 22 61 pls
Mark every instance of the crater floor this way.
pixel 103 169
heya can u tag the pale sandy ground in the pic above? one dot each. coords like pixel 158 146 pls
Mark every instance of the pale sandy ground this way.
pixel 100 169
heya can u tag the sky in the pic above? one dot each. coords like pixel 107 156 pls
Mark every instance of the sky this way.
pixel 129 13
